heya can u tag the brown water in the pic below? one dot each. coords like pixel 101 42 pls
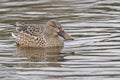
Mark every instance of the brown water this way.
pixel 93 55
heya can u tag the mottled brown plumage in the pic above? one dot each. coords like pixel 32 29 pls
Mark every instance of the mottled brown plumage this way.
pixel 40 36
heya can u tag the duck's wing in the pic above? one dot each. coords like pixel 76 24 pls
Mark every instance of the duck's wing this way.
pixel 32 29
pixel 20 26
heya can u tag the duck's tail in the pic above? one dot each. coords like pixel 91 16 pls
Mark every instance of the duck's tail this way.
pixel 13 35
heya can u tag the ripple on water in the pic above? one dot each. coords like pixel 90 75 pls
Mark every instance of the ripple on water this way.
pixel 93 54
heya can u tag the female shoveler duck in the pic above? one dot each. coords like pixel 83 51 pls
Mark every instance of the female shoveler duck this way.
pixel 40 36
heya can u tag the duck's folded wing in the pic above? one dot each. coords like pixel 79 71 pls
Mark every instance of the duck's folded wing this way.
pixel 20 26
pixel 32 29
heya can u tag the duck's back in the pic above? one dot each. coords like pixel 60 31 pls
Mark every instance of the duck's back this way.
pixel 30 35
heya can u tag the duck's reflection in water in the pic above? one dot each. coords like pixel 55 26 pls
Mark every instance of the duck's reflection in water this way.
pixel 36 57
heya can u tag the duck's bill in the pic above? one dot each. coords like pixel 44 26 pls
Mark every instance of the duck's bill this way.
pixel 65 35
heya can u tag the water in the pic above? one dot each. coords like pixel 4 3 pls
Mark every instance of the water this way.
pixel 94 54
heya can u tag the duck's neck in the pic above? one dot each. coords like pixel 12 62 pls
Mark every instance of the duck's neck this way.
pixel 54 42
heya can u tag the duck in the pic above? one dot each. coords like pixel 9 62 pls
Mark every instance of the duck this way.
pixel 50 34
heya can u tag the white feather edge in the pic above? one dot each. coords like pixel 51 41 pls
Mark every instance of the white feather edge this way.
pixel 13 35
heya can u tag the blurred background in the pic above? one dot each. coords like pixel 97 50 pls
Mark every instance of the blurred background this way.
pixel 94 54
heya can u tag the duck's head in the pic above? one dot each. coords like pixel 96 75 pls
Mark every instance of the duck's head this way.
pixel 55 29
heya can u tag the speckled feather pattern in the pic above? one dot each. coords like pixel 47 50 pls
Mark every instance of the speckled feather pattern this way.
pixel 33 35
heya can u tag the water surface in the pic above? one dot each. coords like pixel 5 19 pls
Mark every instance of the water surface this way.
pixel 94 54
